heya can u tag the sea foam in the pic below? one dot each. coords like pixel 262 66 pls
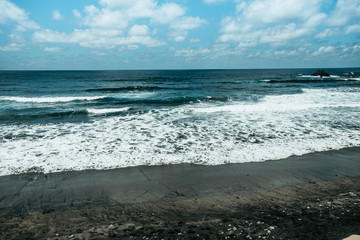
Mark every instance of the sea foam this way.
pixel 107 110
pixel 188 134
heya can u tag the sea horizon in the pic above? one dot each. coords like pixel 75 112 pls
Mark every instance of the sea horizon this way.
pixel 177 69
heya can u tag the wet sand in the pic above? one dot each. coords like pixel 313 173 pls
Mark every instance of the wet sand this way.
pixel 314 196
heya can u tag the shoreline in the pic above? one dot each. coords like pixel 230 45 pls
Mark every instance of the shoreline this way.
pixel 190 194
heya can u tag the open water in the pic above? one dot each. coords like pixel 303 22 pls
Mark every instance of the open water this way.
pixel 73 120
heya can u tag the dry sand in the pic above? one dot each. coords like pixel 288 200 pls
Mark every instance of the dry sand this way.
pixel 315 196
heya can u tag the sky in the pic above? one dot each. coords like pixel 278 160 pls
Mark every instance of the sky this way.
pixel 178 34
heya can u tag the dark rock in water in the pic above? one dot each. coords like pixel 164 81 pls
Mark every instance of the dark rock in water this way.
pixel 320 73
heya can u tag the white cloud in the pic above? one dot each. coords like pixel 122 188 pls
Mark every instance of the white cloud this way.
pixel 275 22
pixel 179 38
pixel 327 32
pixel 275 11
pixel 315 20
pixel 337 31
pixel 355 49
pixel 187 23
pixel 285 53
pixel 323 50
pixel 281 34
pixel 57 15
pixel 139 30
pixel 105 19
pixel 12 47
pixel 345 11
pixel 132 9
pixel 353 29
pixel 277 35
pixel 95 38
pixel 125 23
pixel 9 12
pixel 181 26
pixel 168 12
pixel 52 49
pixel 76 13
pixel 189 52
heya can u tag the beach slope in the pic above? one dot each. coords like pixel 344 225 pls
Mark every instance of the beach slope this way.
pixel 314 196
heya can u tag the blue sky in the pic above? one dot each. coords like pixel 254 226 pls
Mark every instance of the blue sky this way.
pixel 178 34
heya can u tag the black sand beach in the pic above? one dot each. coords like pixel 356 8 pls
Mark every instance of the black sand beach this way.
pixel 314 196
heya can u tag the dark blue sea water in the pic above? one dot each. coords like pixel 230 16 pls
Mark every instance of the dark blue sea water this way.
pixel 73 120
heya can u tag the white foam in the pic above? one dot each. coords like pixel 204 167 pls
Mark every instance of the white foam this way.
pixel 106 110
pixel 182 135
pixel 310 76
pixel 49 99
pixel 310 99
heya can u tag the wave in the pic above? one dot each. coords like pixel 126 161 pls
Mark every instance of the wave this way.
pixel 309 99
pixel 43 115
pixel 310 76
pixel 174 101
pixel 50 99
pixel 107 110
pixel 62 115
pixel 264 107
pixel 122 89
pixel 328 80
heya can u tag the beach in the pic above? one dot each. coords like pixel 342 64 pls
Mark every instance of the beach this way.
pixel 313 196
pixel 163 119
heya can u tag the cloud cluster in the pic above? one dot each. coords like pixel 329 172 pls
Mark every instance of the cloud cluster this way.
pixel 190 52
pixel 117 23
pixel 273 22
pixel 343 20
pixel 10 13
pixel 256 30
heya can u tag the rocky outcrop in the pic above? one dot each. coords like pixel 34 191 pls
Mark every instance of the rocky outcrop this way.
pixel 320 73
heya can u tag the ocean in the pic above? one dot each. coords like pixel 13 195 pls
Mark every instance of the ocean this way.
pixel 52 121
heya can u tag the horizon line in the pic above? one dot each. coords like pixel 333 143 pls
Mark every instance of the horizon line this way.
pixel 168 69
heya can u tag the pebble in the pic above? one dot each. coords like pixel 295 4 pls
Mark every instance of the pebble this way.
pixel 111 227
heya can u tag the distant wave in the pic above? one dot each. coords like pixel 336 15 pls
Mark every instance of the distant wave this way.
pixel 124 99
pixel 62 114
pixel 50 99
pixel 325 77
pixel 107 110
pixel 42 115
pixel 169 101
pixel 327 80
pixel 121 89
